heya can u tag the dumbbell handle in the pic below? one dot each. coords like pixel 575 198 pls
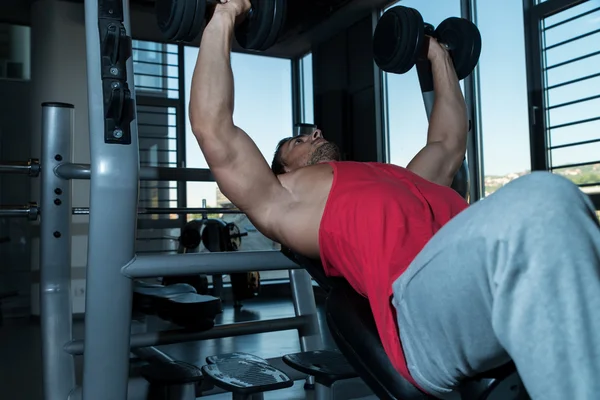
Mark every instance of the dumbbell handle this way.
pixel 430 31
pixel 238 235
pixel 216 2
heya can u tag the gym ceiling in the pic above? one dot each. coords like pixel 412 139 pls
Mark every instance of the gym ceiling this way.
pixel 308 21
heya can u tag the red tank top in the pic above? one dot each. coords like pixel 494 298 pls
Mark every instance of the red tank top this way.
pixel 377 218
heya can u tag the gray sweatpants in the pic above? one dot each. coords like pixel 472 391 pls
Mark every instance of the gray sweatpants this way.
pixel 515 276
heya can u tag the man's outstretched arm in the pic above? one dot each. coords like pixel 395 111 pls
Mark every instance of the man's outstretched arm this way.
pixel 446 145
pixel 241 171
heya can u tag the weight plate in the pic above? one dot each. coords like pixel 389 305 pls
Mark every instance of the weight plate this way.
pixel 198 22
pixel 398 39
pixel 187 21
pixel 180 20
pixel 169 14
pixel 190 238
pixel 464 41
pixel 212 235
pixel 259 30
pixel 279 18
pixel 234 238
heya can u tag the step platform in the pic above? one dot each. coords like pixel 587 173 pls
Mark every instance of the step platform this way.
pixel 178 303
pixel 237 356
pixel 244 375
pixel 326 366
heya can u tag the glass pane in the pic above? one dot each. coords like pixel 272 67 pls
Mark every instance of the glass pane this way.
pixel 406 112
pixel 578 89
pixel 308 108
pixel 580 25
pixel 263 108
pixel 577 48
pixel 598 214
pixel 575 112
pixel 573 94
pixel 574 134
pixel 504 118
pixel 583 153
pixel 587 176
pixel 572 12
pixel 156 70
pixel 15 52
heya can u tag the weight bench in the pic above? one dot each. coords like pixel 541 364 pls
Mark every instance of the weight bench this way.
pixel 178 303
pixel 353 329
pixel 182 305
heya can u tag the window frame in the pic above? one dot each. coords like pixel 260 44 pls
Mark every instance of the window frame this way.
pixel 534 14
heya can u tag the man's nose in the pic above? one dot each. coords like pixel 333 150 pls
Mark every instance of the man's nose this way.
pixel 317 134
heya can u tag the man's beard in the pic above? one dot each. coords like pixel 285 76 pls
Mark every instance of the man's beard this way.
pixel 326 152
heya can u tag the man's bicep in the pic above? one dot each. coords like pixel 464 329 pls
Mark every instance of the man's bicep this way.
pixel 437 163
pixel 242 172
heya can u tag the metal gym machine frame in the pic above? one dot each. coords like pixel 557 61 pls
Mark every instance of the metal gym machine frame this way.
pixel 112 263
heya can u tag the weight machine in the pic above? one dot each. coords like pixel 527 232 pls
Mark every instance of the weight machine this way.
pixel 112 263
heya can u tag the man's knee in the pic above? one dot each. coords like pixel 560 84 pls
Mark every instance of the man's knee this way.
pixel 538 194
pixel 545 187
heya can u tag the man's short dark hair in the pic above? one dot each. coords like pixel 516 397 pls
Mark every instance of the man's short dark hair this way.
pixel 278 166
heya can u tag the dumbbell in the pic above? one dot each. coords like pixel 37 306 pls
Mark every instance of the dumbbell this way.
pixel 400 40
pixel 184 20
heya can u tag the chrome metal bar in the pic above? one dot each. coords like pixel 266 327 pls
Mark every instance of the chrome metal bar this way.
pixel 82 171
pixel 30 167
pixel 175 210
pixel 151 266
pixel 160 338
pixel 30 211
pixel 56 314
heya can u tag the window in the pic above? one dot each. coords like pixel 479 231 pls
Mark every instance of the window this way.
pixel 571 56
pixel 308 107
pixel 263 108
pixel 15 52
pixel 156 75
pixel 503 85
pixel 407 119
pixel 156 69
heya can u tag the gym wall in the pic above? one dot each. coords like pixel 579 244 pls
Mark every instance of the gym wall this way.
pixel 346 100
pixel 15 144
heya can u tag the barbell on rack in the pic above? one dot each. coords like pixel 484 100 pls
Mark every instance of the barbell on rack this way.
pixel 30 211
pixel 30 167
pixel 168 211
pixel 184 20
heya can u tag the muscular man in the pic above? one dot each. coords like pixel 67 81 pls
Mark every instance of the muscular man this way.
pixel 455 291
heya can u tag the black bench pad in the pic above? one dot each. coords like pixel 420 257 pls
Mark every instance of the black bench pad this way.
pixel 178 303
pixel 353 329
